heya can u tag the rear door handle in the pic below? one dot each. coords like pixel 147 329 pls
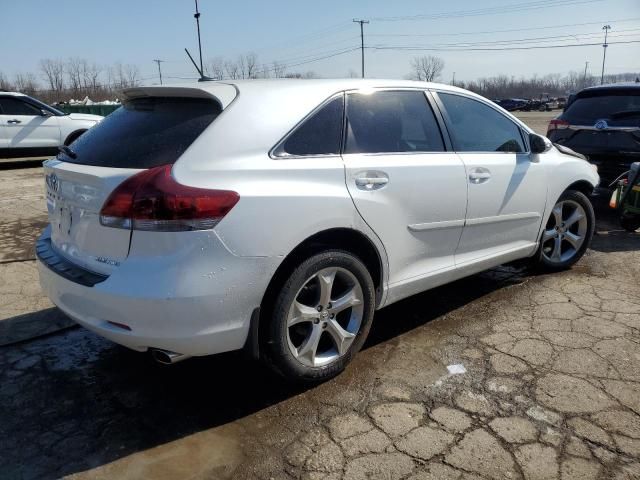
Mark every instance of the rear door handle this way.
pixel 15 120
pixel 479 175
pixel 371 183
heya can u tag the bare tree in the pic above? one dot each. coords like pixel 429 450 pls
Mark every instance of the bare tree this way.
pixel 124 76
pixel 216 68
pixel 26 83
pixel 251 65
pixel 279 70
pixel 91 76
pixel 5 84
pixel 427 68
pixel 74 73
pixel 232 69
pixel 53 71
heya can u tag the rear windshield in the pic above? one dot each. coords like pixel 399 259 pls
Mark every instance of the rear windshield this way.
pixel 617 107
pixel 144 133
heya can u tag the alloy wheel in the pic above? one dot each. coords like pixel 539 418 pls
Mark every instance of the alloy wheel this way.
pixel 565 232
pixel 325 317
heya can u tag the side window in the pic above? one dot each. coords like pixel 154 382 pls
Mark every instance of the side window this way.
pixel 12 106
pixel 390 122
pixel 476 127
pixel 319 134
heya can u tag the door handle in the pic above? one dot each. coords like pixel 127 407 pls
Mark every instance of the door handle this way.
pixel 15 120
pixel 479 175
pixel 371 183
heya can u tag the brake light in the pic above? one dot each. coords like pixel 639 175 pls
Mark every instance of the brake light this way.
pixel 557 124
pixel 152 200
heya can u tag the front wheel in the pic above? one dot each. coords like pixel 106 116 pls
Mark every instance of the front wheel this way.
pixel 568 232
pixel 321 317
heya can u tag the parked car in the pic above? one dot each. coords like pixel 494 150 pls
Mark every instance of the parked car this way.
pixel 278 215
pixel 562 102
pixel 602 123
pixel 512 104
pixel 30 128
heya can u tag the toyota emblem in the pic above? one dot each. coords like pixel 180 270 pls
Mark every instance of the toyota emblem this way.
pixel 601 124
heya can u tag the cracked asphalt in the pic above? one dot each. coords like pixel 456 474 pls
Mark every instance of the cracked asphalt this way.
pixel 547 386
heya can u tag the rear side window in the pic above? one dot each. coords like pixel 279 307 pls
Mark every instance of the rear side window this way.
pixel 145 133
pixel 618 107
pixel 12 106
pixel 391 122
pixel 319 134
pixel 476 127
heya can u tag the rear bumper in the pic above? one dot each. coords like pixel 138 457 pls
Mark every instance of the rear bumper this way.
pixel 197 301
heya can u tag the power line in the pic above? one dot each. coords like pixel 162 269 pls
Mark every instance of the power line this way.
pixel 533 47
pixel 488 10
pixel 361 22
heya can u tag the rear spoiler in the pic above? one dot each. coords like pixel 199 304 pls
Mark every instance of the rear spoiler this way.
pixel 222 93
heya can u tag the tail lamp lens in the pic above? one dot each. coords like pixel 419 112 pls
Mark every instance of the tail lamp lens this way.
pixel 557 124
pixel 153 201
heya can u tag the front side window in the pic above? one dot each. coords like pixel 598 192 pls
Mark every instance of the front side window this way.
pixel 476 127
pixel 319 134
pixel 12 106
pixel 391 122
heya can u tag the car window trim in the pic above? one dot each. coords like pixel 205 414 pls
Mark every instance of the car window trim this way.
pixel 522 128
pixel 446 142
pixel 286 156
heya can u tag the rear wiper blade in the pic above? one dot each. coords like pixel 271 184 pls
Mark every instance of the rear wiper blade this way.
pixel 625 113
pixel 68 152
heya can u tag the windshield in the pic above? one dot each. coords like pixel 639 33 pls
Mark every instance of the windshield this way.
pixel 617 107
pixel 144 133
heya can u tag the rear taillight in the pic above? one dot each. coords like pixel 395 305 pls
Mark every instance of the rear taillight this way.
pixel 152 200
pixel 557 124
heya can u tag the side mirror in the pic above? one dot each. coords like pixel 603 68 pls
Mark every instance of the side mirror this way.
pixel 538 143
pixel 45 113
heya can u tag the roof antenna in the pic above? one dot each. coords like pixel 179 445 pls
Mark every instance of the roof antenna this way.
pixel 203 77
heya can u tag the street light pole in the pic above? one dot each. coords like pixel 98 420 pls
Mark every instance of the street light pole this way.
pixel 361 22
pixel 159 69
pixel 606 29
pixel 584 79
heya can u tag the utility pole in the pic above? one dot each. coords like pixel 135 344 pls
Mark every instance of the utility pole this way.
pixel 159 69
pixel 361 22
pixel 197 17
pixel 584 80
pixel 453 80
pixel 606 29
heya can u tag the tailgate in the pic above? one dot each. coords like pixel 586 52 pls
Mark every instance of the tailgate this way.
pixel 75 195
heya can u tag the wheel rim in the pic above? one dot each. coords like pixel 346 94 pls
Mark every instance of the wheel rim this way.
pixel 565 233
pixel 325 317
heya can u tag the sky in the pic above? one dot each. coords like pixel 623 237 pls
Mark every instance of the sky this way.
pixel 293 32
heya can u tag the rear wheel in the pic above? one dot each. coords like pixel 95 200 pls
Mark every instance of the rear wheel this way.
pixel 321 317
pixel 568 232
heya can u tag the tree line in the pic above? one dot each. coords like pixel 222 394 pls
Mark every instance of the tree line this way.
pixel 60 80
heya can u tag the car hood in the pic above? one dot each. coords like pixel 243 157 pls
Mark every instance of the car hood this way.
pixel 84 116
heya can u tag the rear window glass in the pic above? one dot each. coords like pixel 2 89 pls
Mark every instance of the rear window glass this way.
pixel 145 133
pixel 618 108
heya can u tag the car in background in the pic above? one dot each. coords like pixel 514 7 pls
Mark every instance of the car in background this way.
pixel 603 123
pixel 512 104
pixel 562 102
pixel 30 128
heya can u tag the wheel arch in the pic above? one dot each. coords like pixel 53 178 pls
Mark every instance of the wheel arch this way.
pixel 347 239
pixel 583 186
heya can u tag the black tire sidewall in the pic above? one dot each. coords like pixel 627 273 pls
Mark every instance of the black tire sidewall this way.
pixel 277 346
pixel 584 201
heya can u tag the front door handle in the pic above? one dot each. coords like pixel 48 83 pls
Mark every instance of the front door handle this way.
pixel 15 120
pixel 479 175
pixel 371 183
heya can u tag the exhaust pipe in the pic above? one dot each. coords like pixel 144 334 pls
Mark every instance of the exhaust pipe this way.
pixel 166 357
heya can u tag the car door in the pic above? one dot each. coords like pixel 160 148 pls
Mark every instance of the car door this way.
pixel 405 184
pixel 506 185
pixel 26 127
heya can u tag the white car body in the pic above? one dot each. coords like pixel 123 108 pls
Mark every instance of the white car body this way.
pixel 29 128
pixel 437 219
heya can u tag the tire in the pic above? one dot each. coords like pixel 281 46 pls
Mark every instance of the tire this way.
pixel 566 236
pixel 304 343
pixel 630 222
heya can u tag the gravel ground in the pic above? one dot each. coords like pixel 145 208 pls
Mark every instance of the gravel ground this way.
pixel 506 374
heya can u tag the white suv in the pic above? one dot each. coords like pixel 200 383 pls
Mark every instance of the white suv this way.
pixel 277 216
pixel 30 128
